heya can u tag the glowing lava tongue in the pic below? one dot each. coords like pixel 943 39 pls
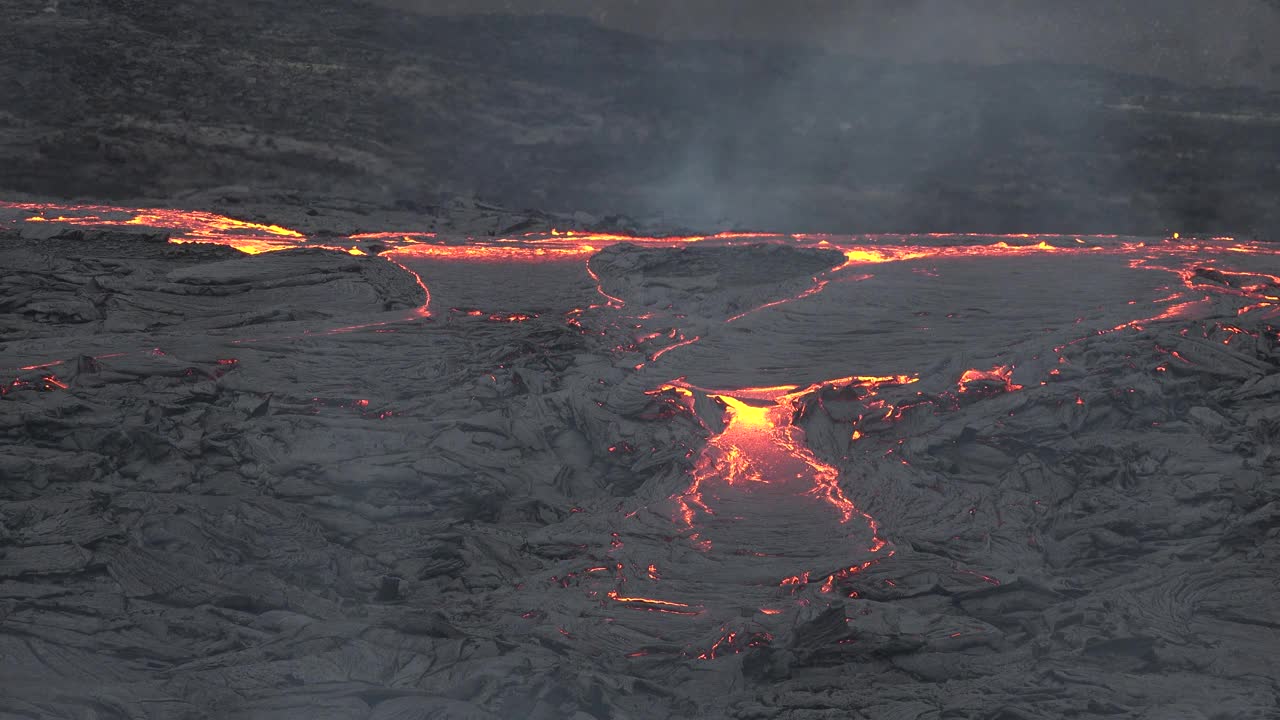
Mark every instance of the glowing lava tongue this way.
pixel 764 525
pixel 763 530
pixel 758 491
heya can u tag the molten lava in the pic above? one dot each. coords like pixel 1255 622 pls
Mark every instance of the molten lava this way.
pixel 999 379
pixel 758 500
pixel 761 452
pixel 758 472
pixel 191 226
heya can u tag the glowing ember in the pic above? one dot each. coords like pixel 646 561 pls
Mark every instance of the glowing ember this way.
pixel 512 318
pixel 54 381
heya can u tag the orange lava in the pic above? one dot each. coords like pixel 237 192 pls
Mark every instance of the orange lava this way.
pixel 760 454
pixel 197 226
pixel 1000 377
pixel 760 447
pixel 406 236
pixel 511 318
pixel 494 253
pixel 251 237
pixel 818 286
pixel 189 226
pixel 194 226
pixel 735 643
pixel 653 605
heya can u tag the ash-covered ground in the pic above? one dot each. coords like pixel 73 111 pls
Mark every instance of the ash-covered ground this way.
pixel 738 477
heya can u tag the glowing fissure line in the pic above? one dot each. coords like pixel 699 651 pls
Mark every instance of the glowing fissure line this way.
pixel 43 366
pixel 611 301
pixel 423 310
pixel 614 595
pixel 653 605
pixel 676 346
pixel 391 235
pixel 818 286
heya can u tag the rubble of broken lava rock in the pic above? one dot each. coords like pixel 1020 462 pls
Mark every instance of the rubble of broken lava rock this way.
pixel 1004 485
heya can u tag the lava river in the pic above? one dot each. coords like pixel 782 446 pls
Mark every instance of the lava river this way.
pixel 759 524
pixel 757 473
pixel 765 516
pixel 753 524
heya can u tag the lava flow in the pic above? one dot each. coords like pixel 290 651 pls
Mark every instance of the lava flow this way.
pixel 761 501
pixel 764 525
pixel 761 454
pixel 190 226
pixel 999 379
pixel 201 227
pixel 760 524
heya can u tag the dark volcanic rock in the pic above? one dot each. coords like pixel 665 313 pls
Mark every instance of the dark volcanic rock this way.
pixel 124 99
pixel 211 510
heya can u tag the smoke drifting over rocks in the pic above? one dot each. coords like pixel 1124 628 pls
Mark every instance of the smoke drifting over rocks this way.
pixel 126 100
pixel 1226 43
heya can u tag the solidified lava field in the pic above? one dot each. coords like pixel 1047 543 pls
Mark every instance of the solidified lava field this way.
pixel 250 471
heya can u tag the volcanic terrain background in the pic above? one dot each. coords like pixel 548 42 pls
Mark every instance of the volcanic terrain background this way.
pixel 128 99
pixel 359 362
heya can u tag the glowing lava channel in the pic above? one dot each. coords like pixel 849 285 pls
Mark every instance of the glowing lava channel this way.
pixel 191 226
pixel 756 491
pixel 761 453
